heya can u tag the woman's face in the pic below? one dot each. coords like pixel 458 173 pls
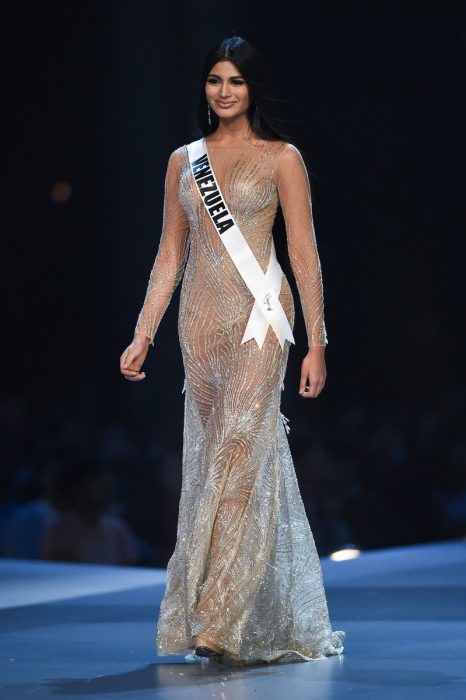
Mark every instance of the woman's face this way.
pixel 226 90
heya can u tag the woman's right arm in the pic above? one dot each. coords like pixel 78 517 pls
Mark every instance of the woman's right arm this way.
pixel 166 272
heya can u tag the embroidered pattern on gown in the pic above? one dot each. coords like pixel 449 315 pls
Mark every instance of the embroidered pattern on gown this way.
pixel 245 572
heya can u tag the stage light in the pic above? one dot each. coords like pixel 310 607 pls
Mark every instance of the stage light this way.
pixel 348 552
pixel 61 192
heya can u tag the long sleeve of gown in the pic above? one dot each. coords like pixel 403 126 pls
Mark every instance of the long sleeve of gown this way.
pixel 295 199
pixel 170 260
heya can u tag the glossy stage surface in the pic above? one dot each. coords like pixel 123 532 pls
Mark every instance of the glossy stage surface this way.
pixel 87 631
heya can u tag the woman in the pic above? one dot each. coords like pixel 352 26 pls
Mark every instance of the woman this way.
pixel 244 583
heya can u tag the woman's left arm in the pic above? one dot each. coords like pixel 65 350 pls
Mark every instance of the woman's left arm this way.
pixel 295 199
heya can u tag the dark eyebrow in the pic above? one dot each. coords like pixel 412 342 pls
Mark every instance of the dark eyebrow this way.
pixel 214 75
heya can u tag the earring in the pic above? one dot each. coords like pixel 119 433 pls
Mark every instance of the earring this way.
pixel 208 114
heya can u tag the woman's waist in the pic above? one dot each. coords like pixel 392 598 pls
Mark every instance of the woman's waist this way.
pixel 219 288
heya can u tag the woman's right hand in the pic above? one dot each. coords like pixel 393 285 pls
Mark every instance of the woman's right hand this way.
pixel 132 358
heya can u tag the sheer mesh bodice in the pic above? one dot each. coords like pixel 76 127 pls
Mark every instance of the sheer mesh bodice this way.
pixel 245 572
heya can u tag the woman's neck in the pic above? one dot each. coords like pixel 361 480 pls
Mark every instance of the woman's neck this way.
pixel 230 132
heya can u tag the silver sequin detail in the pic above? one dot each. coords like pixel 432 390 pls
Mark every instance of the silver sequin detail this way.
pixel 245 572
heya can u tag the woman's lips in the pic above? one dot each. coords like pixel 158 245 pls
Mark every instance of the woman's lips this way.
pixel 225 104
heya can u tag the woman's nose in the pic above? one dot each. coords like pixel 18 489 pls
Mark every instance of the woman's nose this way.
pixel 224 90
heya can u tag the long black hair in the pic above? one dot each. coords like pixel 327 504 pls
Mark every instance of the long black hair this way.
pixel 261 113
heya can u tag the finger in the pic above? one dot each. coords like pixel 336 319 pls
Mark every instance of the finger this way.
pixel 303 381
pixel 310 388
pixel 125 366
pixel 125 359
pixel 129 371
pixel 137 378
pixel 315 389
pixel 128 361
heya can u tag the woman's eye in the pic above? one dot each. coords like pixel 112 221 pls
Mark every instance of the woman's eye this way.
pixel 213 81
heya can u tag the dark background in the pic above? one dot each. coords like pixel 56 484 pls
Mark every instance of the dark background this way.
pixel 97 95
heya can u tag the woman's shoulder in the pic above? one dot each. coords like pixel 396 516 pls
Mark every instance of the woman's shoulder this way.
pixel 289 151
pixel 177 158
pixel 289 156
pixel 178 152
pixel 274 145
pixel 281 151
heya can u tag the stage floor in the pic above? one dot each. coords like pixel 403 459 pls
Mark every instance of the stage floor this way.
pixel 89 631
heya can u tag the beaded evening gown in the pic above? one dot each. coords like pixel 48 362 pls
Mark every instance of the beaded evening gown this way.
pixel 245 573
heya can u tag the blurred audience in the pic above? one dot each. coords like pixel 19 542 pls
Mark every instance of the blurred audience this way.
pixel 368 476
pixel 82 530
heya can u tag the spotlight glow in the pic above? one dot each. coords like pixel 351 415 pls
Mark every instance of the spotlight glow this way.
pixel 344 554
pixel 61 192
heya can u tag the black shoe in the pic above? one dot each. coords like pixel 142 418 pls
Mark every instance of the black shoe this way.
pixel 206 651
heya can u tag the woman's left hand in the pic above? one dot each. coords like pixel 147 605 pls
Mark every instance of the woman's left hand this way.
pixel 313 372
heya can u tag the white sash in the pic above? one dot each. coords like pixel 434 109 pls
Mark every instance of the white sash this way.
pixel 265 287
